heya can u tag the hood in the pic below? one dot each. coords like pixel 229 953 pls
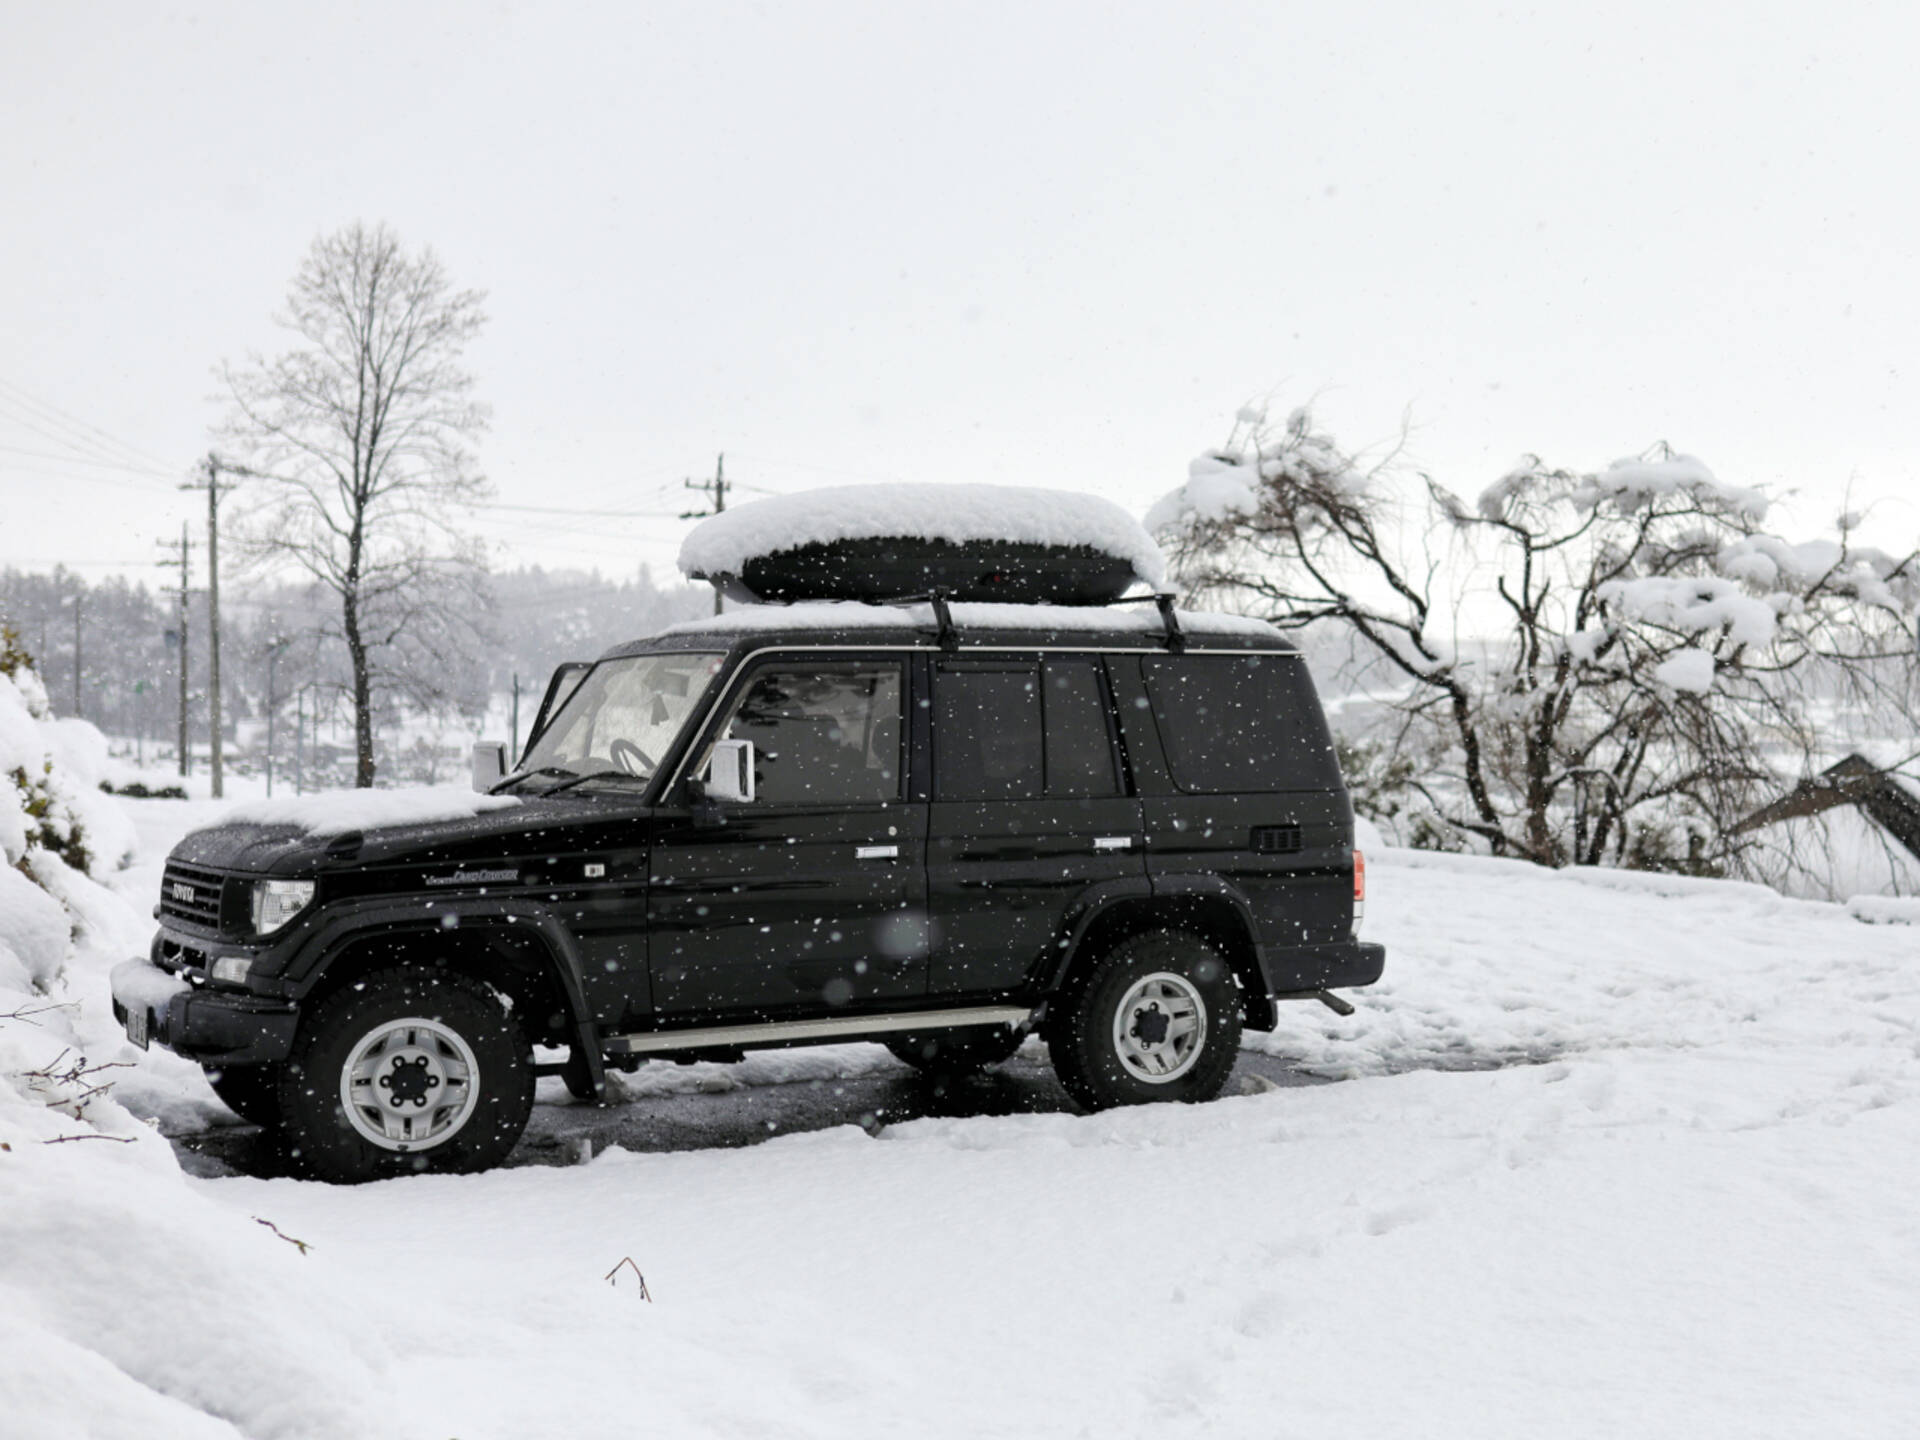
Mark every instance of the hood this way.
pixel 589 817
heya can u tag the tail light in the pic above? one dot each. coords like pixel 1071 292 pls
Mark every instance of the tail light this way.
pixel 1359 890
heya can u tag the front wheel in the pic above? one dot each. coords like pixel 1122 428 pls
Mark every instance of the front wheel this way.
pixel 410 1070
pixel 1156 1018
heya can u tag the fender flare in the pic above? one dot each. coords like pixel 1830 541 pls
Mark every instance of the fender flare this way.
pixel 1098 899
pixel 1087 907
pixel 1213 887
pixel 403 916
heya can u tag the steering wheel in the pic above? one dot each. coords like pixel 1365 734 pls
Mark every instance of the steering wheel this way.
pixel 630 757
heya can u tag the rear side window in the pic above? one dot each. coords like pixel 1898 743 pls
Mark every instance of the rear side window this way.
pixel 1241 722
pixel 986 734
pixel 1080 758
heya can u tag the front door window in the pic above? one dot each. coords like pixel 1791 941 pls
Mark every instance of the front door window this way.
pixel 823 735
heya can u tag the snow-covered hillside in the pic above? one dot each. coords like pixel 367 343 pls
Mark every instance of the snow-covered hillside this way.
pixel 1607 1155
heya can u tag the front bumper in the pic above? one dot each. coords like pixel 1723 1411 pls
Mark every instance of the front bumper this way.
pixel 214 1027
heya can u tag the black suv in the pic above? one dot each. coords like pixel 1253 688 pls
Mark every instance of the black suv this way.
pixel 783 827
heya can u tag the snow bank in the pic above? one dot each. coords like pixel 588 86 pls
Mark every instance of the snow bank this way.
pixel 1885 909
pixel 723 544
pixel 1083 619
pixel 335 812
pixel 132 1303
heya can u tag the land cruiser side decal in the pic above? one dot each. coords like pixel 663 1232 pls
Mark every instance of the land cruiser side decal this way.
pixel 476 877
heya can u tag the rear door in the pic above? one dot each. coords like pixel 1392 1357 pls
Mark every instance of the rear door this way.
pixel 1031 809
pixel 814 895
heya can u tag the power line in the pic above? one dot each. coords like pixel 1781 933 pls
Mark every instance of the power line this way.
pixel 600 514
pixel 84 460
pixel 58 416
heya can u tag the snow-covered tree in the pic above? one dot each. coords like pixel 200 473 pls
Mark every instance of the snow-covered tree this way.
pixel 1604 667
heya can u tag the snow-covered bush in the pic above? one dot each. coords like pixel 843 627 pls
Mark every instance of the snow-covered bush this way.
pixel 53 816
pixel 1647 661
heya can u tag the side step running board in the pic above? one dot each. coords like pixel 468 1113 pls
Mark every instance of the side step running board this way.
pixel 772 1034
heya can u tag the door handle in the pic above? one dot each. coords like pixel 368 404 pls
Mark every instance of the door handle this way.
pixel 876 852
pixel 1113 842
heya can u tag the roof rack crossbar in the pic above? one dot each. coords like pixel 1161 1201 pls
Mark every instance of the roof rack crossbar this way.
pixel 1176 637
pixel 948 638
pixel 948 635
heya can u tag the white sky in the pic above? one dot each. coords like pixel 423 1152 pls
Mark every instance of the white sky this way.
pixel 1051 244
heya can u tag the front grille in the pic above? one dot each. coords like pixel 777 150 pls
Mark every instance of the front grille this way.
pixel 191 894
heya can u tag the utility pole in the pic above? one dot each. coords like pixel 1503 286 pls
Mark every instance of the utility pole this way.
pixel 213 467
pixel 274 647
pixel 186 574
pixel 77 597
pixel 514 753
pixel 717 488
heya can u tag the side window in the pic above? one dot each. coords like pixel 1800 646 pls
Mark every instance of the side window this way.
pixel 1241 722
pixel 986 733
pixel 823 735
pixel 1080 758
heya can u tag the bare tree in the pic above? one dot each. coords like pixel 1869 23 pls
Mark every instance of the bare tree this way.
pixel 1591 668
pixel 360 436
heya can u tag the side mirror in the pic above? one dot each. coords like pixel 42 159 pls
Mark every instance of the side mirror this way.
pixel 730 774
pixel 489 764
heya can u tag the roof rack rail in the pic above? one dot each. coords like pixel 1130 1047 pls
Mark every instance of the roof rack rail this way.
pixel 947 634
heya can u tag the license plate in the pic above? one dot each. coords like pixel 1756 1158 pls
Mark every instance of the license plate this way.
pixel 137 1016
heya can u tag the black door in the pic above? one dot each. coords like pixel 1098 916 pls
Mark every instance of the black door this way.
pixel 1030 812
pixel 814 895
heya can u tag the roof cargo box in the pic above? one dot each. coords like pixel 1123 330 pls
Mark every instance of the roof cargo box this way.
pixel 1016 572
pixel 966 543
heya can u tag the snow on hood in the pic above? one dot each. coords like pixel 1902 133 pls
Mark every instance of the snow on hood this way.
pixel 956 514
pixel 335 812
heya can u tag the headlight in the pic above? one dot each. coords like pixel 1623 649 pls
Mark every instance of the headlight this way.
pixel 275 902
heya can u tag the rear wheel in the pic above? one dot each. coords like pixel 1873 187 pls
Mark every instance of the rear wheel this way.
pixel 409 1070
pixel 1156 1018
pixel 251 1091
pixel 957 1052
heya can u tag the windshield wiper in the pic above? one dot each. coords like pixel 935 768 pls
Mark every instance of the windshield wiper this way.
pixel 574 780
pixel 518 776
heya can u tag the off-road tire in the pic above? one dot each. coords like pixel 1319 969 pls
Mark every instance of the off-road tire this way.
pixel 1081 1036
pixel 957 1052
pixel 324 1143
pixel 251 1091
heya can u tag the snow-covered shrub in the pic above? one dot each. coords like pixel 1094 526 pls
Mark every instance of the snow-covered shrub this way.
pixel 55 824
pixel 1592 668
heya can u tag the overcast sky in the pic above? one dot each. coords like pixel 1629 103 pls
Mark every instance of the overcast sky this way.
pixel 1030 243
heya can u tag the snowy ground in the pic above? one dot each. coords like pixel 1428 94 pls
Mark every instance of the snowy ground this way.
pixel 1611 1155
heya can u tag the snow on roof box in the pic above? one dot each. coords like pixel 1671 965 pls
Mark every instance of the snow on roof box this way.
pixel 970 542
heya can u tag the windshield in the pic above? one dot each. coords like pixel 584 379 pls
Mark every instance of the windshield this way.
pixel 623 717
